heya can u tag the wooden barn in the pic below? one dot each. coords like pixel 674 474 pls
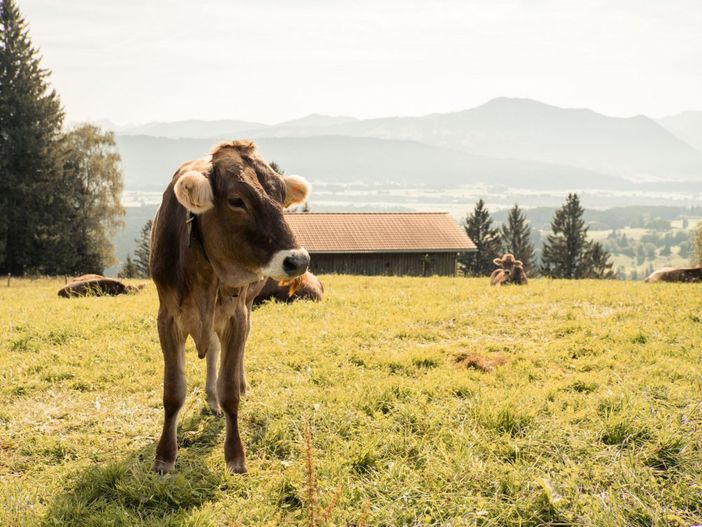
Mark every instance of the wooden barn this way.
pixel 393 243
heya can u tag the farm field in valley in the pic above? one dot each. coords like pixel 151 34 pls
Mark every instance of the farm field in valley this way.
pixel 430 401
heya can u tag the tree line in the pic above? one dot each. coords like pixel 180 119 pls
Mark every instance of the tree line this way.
pixel 59 191
pixel 566 252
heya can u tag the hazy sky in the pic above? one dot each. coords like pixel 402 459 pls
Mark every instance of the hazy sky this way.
pixel 133 61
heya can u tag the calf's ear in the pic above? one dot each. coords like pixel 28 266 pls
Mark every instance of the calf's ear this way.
pixel 518 263
pixel 497 261
pixel 297 190
pixel 194 192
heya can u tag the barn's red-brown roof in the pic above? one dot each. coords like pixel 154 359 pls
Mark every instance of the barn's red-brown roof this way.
pixel 373 232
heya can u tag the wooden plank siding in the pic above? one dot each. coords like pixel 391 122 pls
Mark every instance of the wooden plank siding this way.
pixel 381 243
pixel 388 264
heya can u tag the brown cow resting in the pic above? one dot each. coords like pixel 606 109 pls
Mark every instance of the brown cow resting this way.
pixel 217 235
pixel 96 285
pixel 671 274
pixel 308 288
pixel 511 272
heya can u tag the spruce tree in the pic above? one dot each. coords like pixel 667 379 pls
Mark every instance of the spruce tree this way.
pixel 516 237
pixel 564 249
pixel 31 118
pixel 129 269
pixel 597 262
pixel 478 226
pixel 143 250
pixel 567 253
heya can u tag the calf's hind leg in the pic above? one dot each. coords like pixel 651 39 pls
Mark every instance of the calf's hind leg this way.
pixel 173 347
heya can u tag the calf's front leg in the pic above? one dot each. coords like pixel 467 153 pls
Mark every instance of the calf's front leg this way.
pixel 240 365
pixel 173 347
pixel 211 379
pixel 229 386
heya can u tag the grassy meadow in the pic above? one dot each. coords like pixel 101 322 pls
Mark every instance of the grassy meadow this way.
pixel 395 401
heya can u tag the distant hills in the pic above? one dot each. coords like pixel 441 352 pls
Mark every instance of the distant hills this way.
pixel 687 126
pixel 225 128
pixel 512 142
pixel 194 129
pixel 315 120
pixel 149 163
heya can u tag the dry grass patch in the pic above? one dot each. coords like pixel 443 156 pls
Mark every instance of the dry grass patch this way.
pixel 484 363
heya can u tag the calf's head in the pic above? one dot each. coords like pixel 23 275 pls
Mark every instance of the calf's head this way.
pixel 239 202
pixel 511 267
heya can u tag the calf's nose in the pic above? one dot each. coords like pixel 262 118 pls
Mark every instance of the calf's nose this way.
pixel 296 262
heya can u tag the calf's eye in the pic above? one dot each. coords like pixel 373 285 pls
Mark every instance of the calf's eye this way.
pixel 237 203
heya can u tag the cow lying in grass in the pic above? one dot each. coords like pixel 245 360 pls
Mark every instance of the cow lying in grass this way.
pixel 217 235
pixel 671 274
pixel 306 287
pixel 96 285
pixel 511 271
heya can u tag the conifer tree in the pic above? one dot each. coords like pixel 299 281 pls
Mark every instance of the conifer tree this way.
pixel 597 262
pixel 516 237
pixel 567 253
pixel 478 226
pixel 143 250
pixel 564 249
pixel 31 118
pixel 129 269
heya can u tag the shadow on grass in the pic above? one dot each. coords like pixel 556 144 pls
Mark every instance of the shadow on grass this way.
pixel 126 492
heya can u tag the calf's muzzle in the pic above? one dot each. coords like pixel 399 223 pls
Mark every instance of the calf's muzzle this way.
pixel 287 264
pixel 296 263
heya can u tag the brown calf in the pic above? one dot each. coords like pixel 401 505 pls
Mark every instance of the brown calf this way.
pixel 218 234
pixel 511 271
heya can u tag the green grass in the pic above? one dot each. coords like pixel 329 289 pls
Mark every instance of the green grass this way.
pixel 591 416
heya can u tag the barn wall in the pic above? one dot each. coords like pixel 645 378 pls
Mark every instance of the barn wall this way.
pixel 391 264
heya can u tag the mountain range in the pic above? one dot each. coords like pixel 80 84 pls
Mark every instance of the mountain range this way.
pixel 687 126
pixel 149 162
pixel 518 143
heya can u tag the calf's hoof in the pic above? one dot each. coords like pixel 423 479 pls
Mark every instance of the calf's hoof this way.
pixel 212 408
pixel 236 467
pixel 162 467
